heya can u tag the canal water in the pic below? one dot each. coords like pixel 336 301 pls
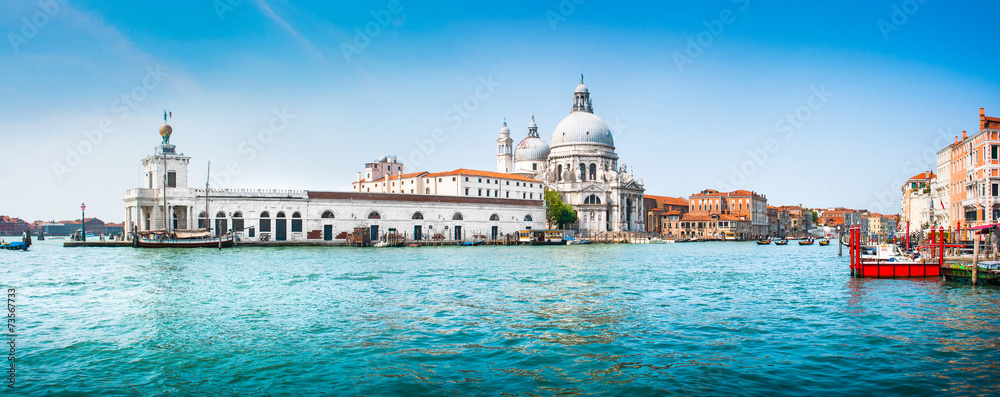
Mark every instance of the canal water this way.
pixel 628 320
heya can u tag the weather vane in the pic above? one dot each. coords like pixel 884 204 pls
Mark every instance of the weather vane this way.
pixel 166 130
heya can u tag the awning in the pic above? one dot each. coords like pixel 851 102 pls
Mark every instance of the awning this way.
pixel 982 227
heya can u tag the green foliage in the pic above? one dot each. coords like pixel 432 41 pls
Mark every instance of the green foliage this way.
pixel 815 217
pixel 556 211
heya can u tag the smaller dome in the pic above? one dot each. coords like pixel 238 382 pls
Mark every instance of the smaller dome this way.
pixel 504 129
pixel 581 89
pixel 166 129
pixel 532 123
pixel 532 148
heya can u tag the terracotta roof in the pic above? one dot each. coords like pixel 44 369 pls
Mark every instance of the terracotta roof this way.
pixel 924 175
pixel 487 174
pixel 421 198
pixel 668 200
pixel 398 177
pixel 707 217
pixel 674 212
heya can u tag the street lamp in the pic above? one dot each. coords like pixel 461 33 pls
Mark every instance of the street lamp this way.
pixel 83 222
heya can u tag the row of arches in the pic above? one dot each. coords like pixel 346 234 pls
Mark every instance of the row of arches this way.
pixel 457 217
pixel 583 172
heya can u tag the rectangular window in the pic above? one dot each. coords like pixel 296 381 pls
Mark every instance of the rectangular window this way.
pixel 996 190
pixel 466 191
pixel 296 225
pixel 480 192
pixel 995 152
pixel 480 180
pixel 172 178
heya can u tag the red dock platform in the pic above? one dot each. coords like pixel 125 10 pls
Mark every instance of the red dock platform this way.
pixel 878 268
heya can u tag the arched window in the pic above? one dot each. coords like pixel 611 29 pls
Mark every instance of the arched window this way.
pixel 527 218
pixel 238 221
pixel 281 214
pixel 220 214
pixel 202 220
pixel 559 172
pixel 265 223
pixel 374 215
pixel 457 216
pixel 427 190
pixel 583 172
pixel 593 172
pixel 494 217
pixel 328 214
pixel 417 215
pixel 296 222
pixel 592 199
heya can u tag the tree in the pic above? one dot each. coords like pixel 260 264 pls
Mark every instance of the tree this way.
pixel 556 211
pixel 815 216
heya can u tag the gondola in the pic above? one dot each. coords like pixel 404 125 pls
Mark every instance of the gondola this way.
pixel 764 242
pixel 781 242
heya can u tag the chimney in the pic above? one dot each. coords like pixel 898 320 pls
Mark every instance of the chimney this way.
pixel 963 135
pixel 982 118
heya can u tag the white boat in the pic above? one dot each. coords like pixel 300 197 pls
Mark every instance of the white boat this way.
pixel 657 240
pixel 885 252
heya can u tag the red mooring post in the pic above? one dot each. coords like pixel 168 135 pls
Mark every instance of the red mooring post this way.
pixel 941 249
pixel 933 239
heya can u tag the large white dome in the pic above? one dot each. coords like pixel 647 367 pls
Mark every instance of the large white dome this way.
pixel 582 127
pixel 532 148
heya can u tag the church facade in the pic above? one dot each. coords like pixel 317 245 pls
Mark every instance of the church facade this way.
pixel 582 165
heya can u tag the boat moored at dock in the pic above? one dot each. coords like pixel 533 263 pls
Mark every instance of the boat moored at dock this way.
pixel 541 237
pixel 197 238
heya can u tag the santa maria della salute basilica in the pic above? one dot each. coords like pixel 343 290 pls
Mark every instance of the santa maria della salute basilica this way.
pixel 582 165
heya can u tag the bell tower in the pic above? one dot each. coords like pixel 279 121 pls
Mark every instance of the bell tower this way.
pixel 505 150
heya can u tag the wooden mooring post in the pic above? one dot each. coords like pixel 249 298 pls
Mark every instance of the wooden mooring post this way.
pixel 975 258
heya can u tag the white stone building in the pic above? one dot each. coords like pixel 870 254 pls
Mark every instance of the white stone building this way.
pixel 582 165
pixel 168 201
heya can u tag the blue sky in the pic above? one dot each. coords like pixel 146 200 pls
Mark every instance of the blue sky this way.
pixel 873 89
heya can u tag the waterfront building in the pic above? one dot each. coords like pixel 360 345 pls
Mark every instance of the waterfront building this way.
pixel 855 218
pixel 13 226
pixel 454 212
pixel 661 210
pixel 712 226
pixel 460 182
pixel 582 165
pixel 975 176
pixel 67 228
pixel 881 227
pixel 834 216
pixel 941 189
pixel 917 206
pixel 778 221
pixel 800 219
pixel 742 204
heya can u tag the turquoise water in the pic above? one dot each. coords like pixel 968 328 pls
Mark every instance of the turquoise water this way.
pixel 629 320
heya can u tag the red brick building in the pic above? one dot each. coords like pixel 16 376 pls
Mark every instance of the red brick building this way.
pixel 13 226
pixel 659 210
